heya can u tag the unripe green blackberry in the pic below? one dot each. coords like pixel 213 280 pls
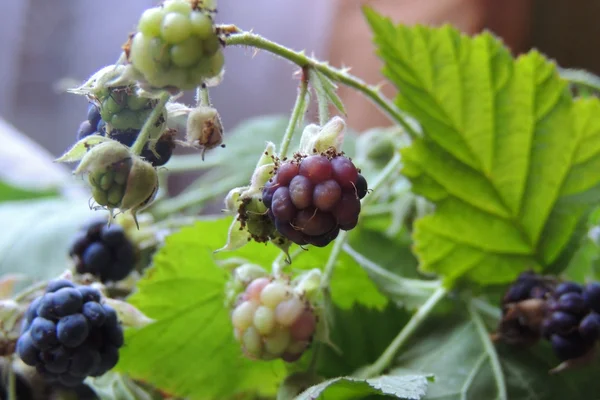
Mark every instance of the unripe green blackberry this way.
pixel 122 109
pixel 176 45
pixel 272 319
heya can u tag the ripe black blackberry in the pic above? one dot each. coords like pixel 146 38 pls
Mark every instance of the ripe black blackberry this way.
pixel 92 125
pixel 564 313
pixel 103 251
pixel 68 334
pixel 310 199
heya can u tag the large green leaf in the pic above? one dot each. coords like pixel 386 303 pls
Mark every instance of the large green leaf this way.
pixel 190 350
pixel 192 341
pixel 10 192
pixel 507 156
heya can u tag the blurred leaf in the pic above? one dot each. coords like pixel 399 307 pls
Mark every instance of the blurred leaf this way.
pixel 13 193
pixel 361 334
pixel 410 387
pixel 451 348
pixel 507 155
pixel 36 235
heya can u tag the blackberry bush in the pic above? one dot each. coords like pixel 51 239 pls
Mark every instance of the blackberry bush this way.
pixel 311 198
pixel 104 251
pixel 69 334
pixel 176 45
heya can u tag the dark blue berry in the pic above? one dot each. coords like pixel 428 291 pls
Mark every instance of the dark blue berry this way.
pixel 110 358
pixel 96 257
pixel 32 310
pixel 111 315
pixel 112 235
pixel 48 376
pixel 72 330
pixel 589 327
pixel 101 127
pixel 591 295
pixel 572 303
pixel 43 333
pixel 46 308
pixel 57 284
pixel 93 114
pixel 85 129
pixel 27 350
pixel 67 301
pixel 85 360
pixel 562 322
pixel 56 360
pixel 567 287
pixel 89 294
pixel 114 334
pixel 569 347
pixel 94 313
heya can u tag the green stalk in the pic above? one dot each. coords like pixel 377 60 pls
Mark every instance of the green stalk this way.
pixel 142 139
pixel 297 116
pixel 387 357
pixel 241 38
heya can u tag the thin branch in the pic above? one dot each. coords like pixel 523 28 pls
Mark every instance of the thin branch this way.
pixel 409 329
pixel 490 350
pixel 297 115
pixel 142 139
pixel 241 38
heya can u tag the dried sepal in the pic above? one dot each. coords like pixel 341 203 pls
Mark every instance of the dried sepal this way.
pixel 204 128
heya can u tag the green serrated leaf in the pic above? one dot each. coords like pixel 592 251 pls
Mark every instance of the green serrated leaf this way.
pixel 326 89
pixel 410 387
pixel 193 352
pixel 79 149
pixel 507 156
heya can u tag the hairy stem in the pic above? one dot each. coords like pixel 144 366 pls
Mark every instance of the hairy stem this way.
pixel 415 322
pixel 142 139
pixel 12 382
pixel 490 350
pixel 202 96
pixel 297 115
pixel 238 37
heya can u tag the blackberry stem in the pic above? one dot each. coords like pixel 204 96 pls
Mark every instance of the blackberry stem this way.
pixel 237 37
pixel 202 96
pixel 490 350
pixel 413 324
pixel 142 139
pixel 12 381
pixel 296 117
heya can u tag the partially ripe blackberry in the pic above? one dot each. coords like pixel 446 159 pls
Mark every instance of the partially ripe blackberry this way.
pixel 176 45
pixel 310 199
pixel 69 342
pixel 122 109
pixel 591 296
pixel 103 251
pixel 272 320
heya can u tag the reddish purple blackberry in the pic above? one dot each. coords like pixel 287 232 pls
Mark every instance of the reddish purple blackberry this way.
pixel 103 251
pixel 68 334
pixel 310 199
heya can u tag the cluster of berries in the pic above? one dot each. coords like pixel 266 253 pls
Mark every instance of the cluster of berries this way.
pixel 273 320
pixel 311 198
pixel 125 124
pixel 103 251
pixel 176 45
pixel 566 314
pixel 68 334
